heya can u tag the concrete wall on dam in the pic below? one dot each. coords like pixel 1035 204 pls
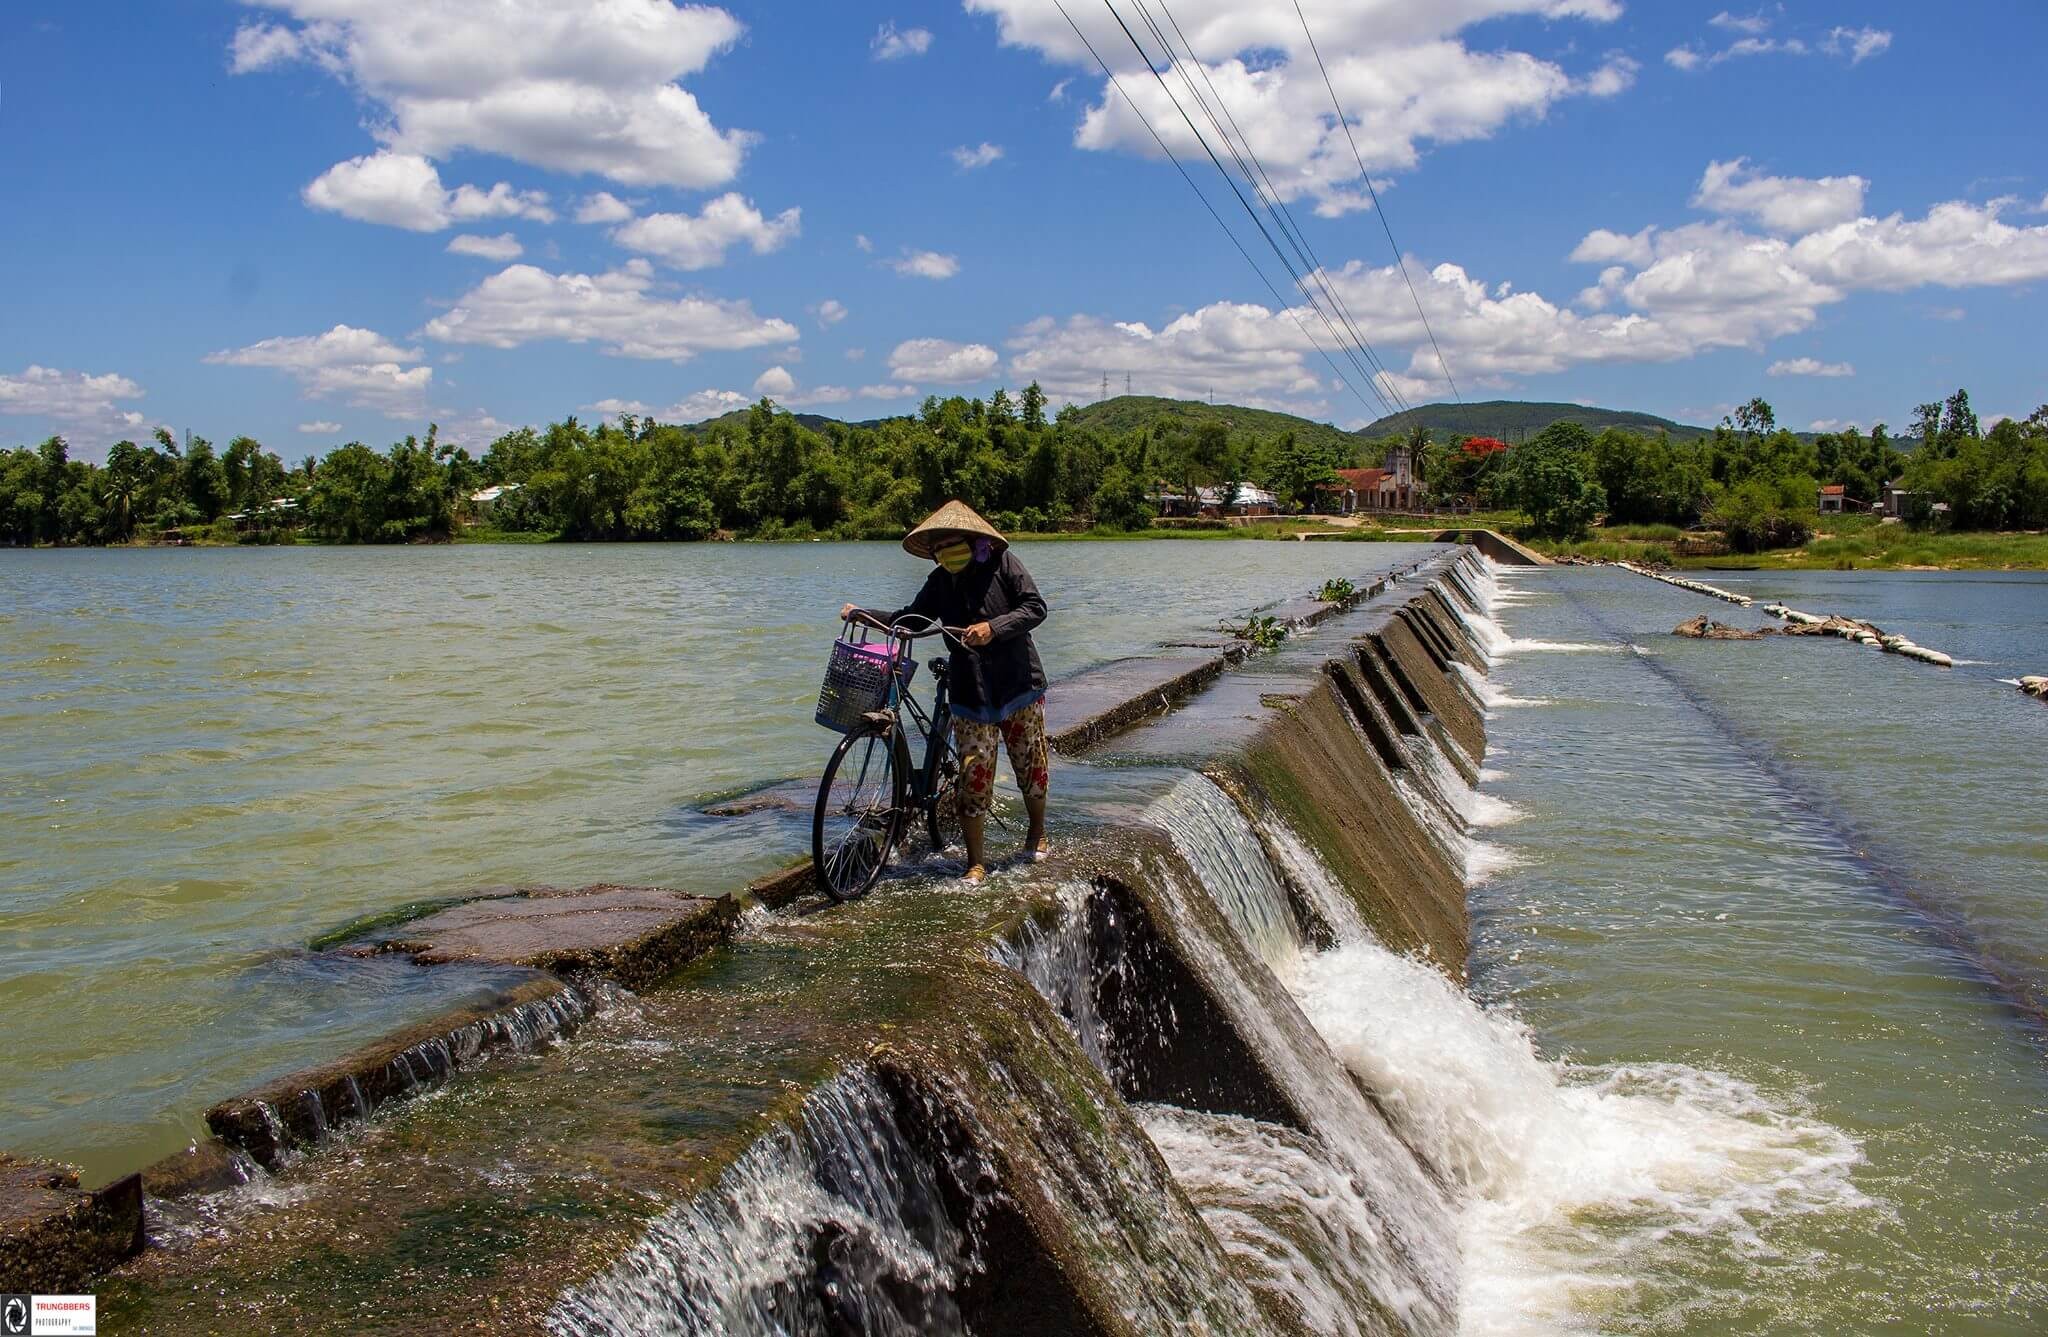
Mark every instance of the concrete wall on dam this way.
pixel 1085 1099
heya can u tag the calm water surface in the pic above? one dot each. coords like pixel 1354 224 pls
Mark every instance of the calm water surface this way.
pixel 1821 870
pixel 214 755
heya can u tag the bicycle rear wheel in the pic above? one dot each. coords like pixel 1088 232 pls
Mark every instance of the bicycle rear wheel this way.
pixel 859 814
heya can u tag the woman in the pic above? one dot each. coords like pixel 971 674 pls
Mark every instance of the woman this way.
pixel 997 683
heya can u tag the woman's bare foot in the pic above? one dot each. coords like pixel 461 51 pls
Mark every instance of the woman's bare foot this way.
pixel 1037 848
pixel 975 875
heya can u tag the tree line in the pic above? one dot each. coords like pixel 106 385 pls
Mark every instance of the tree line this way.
pixel 760 473
pixel 764 473
pixel 1759 483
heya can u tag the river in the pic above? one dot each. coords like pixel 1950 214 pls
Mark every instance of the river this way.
pixel 1798 878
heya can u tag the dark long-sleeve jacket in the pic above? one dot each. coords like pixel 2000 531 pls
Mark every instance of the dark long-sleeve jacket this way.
pixel 1004 676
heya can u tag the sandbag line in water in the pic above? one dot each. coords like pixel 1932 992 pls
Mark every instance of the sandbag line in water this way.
pixel 1696 586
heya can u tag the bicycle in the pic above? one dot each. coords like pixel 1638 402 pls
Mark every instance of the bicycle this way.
pixel 861 817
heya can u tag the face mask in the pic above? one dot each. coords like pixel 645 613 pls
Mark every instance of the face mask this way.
pixel 954 557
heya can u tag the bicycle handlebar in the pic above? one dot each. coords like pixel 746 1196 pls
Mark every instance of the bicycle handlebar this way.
pixel 932 626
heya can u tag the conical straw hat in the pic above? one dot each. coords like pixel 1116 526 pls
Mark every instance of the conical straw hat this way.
pixel 955 517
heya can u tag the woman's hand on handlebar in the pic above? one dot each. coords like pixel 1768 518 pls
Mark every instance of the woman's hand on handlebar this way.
pixel 976 636
pixel 855 613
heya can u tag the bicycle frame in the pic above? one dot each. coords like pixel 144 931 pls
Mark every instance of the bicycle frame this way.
pixel 934 727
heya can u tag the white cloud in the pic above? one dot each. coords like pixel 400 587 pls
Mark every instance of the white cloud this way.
pixel 941 361
pixel 970 158
pixel 1827 425
pixel 603 207
pixel 1749 23
pixel 860 239
pixel 1402 71
pixel 502 247
pixel 1663 294
pixel 1807 366
pixel 889 44
pixel 1613 78
pixel 473 430
pixel 320 428
pixel 569 87
pixel 829 312
pixel 774 382
pixel 1059 90
pixel 360 367
pixel 80 403
pixel 1783 204
pixel 926 265
pixel 1243 352
pixel 1858 44
pixel 1600 247
pixel 405 190
pixel 700 241
pixel 618 310
pixel 691 408
pixel 856 354
pixel 887 392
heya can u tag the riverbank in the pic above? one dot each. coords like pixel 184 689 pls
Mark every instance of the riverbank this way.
pixel 1844 543
pixel 1839 543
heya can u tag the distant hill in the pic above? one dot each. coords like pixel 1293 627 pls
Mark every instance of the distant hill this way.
pixel 1515 421
pixel 815 422
pixel 1125 413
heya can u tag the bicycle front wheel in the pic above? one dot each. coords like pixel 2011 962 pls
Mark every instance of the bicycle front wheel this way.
pixel 859 814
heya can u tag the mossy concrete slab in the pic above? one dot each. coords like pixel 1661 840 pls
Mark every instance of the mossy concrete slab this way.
pixel 55 1237
pixel 634 935
pixel 1089 707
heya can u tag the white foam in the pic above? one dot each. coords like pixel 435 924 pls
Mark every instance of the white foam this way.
pixel 1482 861
pixel 1495 697
pixel 1570 1175
pixel 1518 645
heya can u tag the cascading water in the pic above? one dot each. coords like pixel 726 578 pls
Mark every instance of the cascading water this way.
pixel 1563 1179
pixel 835 1225
pixel 1337 1226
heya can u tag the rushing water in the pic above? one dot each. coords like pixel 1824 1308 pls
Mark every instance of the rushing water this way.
pixel 213 755
pixel 1798 884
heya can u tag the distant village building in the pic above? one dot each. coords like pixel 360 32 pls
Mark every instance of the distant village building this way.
pixel 486 499
pixel 1893 499
pixel 1392 487
pixel 1831 497
pixel 1249 500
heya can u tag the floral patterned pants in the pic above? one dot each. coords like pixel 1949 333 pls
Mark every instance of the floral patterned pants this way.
pixel 1024 735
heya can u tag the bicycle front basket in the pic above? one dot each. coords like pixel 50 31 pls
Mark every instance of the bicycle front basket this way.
pixel 857 681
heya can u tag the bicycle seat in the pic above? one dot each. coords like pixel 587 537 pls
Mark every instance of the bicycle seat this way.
pixel 939 664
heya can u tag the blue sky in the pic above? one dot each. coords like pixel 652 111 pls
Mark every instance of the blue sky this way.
pixel 321 220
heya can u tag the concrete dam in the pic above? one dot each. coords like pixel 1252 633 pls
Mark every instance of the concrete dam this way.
pixel 1211 1068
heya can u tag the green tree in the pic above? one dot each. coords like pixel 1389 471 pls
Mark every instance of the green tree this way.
pixel 1554 480
pixel 1121 502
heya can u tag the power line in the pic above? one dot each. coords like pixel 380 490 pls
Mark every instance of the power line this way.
pixel 1171 157
pixel 1377 207
pixel 1269 194
pixel 1379 391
